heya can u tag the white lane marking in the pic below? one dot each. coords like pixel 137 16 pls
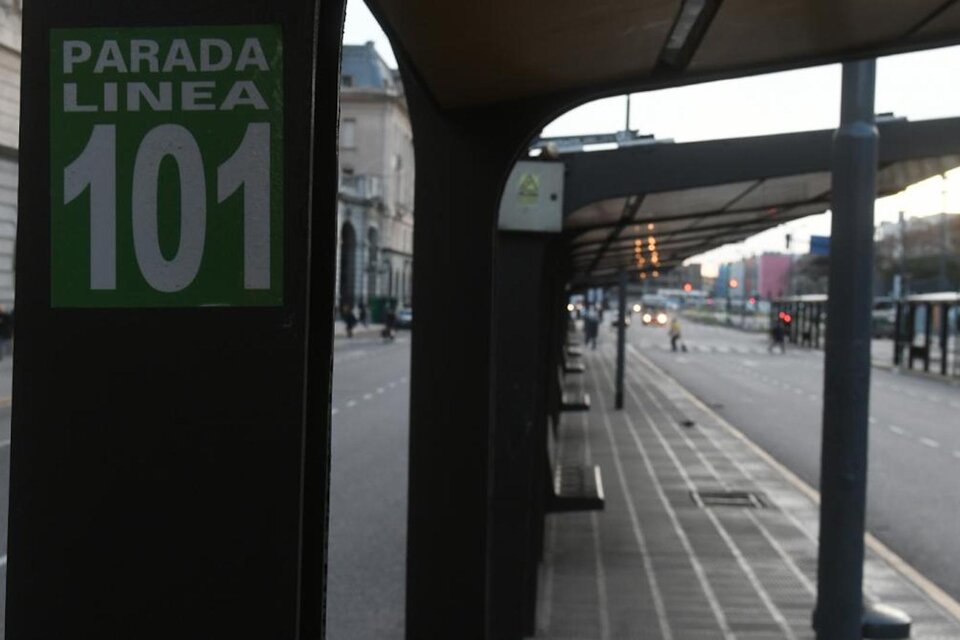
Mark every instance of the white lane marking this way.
pixel 872 420
pixel 897 430
pixel 403 380
pixel 379 389
pixel 681 533
pixel 933 398
pixel 814 397
pixel 601 578
pixel 351 403
pixel 367 396
pixel 956 454
pixel 334 411
pixel 638 535
pixel 392 385
pixel 721 530
pixel 933 444
pixel 955 404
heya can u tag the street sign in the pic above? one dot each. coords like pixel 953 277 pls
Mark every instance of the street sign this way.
pixel 176 244
pixel 820 245
pixel 166 171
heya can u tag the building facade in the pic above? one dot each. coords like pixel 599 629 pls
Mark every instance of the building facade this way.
pixel 10 20
pixel 375 212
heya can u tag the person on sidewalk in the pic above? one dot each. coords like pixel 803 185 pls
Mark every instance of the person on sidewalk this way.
pixel 674 333
pixel 591 326
pixel 777 338
pixel 349 319
pixel 389 323
pixel 362 311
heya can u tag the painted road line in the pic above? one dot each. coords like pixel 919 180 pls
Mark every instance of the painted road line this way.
pixel 956 454
pixel 403 380
pixel 334 411
pixel 929 442
pixel 351 403
pixel 923 584
pixel 872 420
pixel 392 385
pixel 367 396
pixel 897 430
pixel 379 389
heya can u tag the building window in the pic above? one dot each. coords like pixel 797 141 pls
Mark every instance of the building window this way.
pixel 348 132
pixel 346 80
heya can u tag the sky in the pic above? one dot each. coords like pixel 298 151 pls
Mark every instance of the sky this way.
pixel 913 85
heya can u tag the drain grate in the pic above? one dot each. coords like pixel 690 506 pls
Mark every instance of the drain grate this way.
pixel 742 499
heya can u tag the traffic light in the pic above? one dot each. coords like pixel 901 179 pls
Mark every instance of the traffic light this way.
pixel 688 287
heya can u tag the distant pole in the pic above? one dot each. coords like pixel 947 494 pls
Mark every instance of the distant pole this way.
pixel 627 129
pixel 621 338
pixel 843 475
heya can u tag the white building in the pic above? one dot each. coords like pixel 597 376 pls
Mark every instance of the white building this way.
pixel 375 212
pixel 10 20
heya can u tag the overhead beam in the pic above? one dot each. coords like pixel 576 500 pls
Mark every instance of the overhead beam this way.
pixel 630 208
pixel 620 173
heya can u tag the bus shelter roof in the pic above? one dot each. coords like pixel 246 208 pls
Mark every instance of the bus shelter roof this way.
pixel 500 51
pixel 651 207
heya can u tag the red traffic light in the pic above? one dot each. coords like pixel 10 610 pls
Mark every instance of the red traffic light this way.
pixel 688 287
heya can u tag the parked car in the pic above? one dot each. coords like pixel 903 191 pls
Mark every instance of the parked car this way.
pixel 405 318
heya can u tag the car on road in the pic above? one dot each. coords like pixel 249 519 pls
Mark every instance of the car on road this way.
pixel 657 317
pixel 405 318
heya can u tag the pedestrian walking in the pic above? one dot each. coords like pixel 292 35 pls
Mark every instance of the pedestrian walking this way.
pixel 349 319
pixel 674 333
pixel 389 323
pixel 777 338
pixel 591 326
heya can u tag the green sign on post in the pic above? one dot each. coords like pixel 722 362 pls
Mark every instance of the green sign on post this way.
pixel 166 167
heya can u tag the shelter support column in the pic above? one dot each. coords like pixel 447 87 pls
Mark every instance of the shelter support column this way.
pixel 621 336
pixel 524 296
pixel 843 481
pixel 463 160
pixel 843 474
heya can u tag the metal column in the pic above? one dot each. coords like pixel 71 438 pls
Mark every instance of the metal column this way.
pixel 621 337
pixel 843 479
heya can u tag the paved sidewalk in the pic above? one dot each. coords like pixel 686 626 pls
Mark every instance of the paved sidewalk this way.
pixel 654 564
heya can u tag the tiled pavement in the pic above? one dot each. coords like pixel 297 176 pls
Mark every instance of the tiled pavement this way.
pixel 653 564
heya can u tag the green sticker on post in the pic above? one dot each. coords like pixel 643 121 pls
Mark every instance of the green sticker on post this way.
pixel 166 168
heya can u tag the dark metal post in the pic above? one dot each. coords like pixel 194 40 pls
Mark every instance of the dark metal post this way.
pixel 944 316
pixel 621 338
pixel 927 326
pixel 897 335
pixel 911 333
pixel 843 475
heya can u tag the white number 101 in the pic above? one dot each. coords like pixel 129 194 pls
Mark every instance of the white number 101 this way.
pixel 96 168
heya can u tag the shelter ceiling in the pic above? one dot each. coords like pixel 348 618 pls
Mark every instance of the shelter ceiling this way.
pixel 688 222
pixel 474 53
